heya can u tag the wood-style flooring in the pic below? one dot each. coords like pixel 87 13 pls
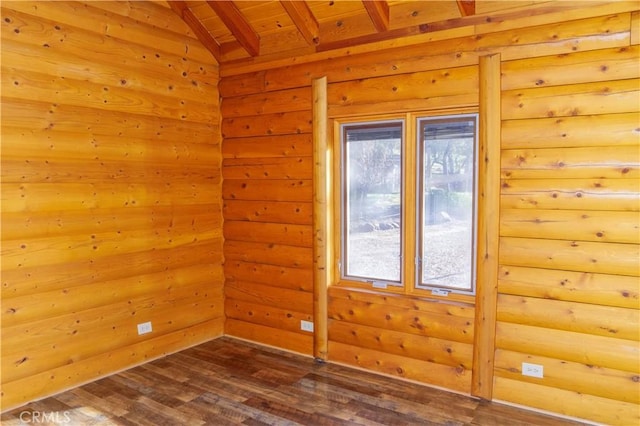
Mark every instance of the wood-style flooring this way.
pixel 230 382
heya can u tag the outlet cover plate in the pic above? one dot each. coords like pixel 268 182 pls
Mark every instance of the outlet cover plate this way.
pixel 144 328
pixel 306 326
pixel 532 370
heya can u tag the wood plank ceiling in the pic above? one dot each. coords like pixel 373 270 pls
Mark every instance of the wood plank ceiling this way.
pixel 236 30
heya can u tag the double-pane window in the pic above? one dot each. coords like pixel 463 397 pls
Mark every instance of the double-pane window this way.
pixel 383 179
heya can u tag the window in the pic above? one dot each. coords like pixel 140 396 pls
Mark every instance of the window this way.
pixel 372 201
pixel 407 203
pixel 446 188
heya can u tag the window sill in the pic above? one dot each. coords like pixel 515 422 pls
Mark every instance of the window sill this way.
pixel 400 292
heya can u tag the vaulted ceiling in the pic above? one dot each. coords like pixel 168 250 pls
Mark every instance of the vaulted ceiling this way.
pixel 236 30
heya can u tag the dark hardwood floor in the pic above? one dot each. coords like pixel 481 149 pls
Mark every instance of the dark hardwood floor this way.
pixel 227 381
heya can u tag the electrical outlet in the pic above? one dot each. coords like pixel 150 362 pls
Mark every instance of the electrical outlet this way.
pixel 532 370
pixel 306 326
pixel 144 328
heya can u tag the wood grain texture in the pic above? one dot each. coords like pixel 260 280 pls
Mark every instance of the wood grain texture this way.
pixel 567 199
pixel 111 209
pixel 613 384
pixel 488 224
pixel 268 295
pixel 268 168
pixel 571 194
pixel 635 28
pixel 604 321
pixel 584 287
pixel 584 348
pixel 507 16
pixel 424 317
pixel 268 147
pixel 227 381
pixel 95 21
pixel 581 67
pixel 279 233
pixel 322 219
pixel 593 162
pixel 433 349
pixel 456 378
pixel 568 154
pixel 438 83
pixel 71 375
pixel 112 201
pixel 396 335
pixel 581 131
pixel 583 291
pixel 299 213
pixel 267 190
pixel 282 123
pixel 569 255
pixel 268 209
pixel 278 276
pixel 608 97
pixel 566 402
pixel 598 226
pixel 268 103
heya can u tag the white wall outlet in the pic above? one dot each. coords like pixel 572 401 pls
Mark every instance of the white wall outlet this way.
pixel 144 328
pixel 533 370
pixel 306 326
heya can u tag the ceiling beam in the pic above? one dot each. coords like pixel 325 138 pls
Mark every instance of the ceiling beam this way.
pixel 398 33
pixel 303 19
pixel 466 7
pixel 237 24
pixel 378 11
pixel 207 40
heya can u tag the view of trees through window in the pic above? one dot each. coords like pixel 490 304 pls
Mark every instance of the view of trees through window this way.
pixel 372 202
pixel 374 180
pixel 447 202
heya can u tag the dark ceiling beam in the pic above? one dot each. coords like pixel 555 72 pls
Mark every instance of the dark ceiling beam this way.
pixel 303 19
pixel 207 40
pixel 378 11
pixel 237 24
pixel 467 7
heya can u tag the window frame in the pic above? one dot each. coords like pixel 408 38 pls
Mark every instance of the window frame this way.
pixel 409 204
pixel 420 182
pixel 344 194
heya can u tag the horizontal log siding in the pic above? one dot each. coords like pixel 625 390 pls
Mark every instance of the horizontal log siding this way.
pixel 111 192
pixel 426 341
pixel 413 339
pixel 569 235
pixel 569 206
pixel 267 197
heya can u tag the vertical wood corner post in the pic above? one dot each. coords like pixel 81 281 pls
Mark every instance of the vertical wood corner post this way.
pixel 488 228
pixel 321 208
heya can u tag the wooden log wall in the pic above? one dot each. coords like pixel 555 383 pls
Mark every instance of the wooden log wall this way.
pixel 427 341
pixel 111 192
pixel 268 217
pixel 569 276
pixel 568 248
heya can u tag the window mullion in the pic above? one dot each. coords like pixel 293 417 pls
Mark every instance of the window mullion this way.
pixel 409 208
